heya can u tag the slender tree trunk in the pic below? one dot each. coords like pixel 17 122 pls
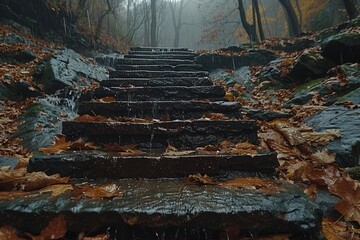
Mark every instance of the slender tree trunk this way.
pixel 300 13
pixel 247 26
pixel 177 22
pixel 153 29
pixel 292 21
pixel 351 8
pixel 101 20
pixel 259 22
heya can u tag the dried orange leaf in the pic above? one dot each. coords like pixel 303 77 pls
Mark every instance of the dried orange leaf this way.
pixel 218 116
pixel 8 233
pixel 311 191
pixel 57 189
pixel 335 230
pixel 109 190
pixel 321 138
pixel 38 180
pixel 349 191
pixel 12 195
pixel 324 157
pixel 88 118
pixel 56 228
pixel 98 237
pixel 292 135
pixel 82 145
pixel 60 145
pixel 108 99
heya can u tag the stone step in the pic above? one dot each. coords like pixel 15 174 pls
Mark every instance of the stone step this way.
pixel 157 82
pixel 189 53
pixel 167 93
pixel 162 56
pixel 159 49
pixel 153 208
pixel 155 74
pixel 184 67
pixel 182 134
pixel 172 110
pixel 100 165
pixel 139 61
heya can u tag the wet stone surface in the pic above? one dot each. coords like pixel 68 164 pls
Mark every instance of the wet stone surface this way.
pixel 138 61
pixel 157 82
pixel 163 93
pixel 180 134
pixel 159 204
pixel 100 165
pixel 160 109
pixel 155 74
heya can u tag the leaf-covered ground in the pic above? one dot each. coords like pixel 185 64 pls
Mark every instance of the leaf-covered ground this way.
pixel 293 141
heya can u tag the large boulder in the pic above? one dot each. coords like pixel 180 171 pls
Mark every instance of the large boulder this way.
pixel 309 65
pixel 212 61
pixel 68 68
pixel 342 48
pixel 347 121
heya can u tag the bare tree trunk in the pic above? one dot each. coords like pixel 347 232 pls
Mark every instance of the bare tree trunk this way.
pixel 300 13
pixel 101 20
pixel 351 9
pixel 292 21
pixel 153 29
pixel 258 16
pixel 177 22
pixel 247 26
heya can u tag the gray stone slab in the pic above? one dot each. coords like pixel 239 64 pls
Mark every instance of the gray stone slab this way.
pixel 161 93
pixel 162 56
pixel 159 204
pixel 180 134
pixel 155 74
pixel 161 49
pixel 347 148
pixel 184 67
pixel 158 109
pixel 157 82
pixel 100 165
pixel 137 61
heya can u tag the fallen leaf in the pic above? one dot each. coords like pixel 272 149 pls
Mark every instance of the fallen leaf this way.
pixel 292 135
pixel 325 176
pixel 107 99
pixel 60 145
pixel 335 230
pixel 321 138
pixel 323 156
pixel 349 191
pixel 12 195
pixel 8 233
pixel 82 145
pixel 311 191
pixel 98 237
pixel 38 180
pixel 229 97
pixel 213 116
pixel 109 190
pixel 88 118
pixel 57 189
pixel 56 229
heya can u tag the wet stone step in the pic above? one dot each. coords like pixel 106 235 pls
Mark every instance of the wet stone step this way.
pixel 167 93
pixel 99 165
pixel 184 67
pixel 189 53
pixel 156 82
pixel 159 49
pixel 158 206
pixel 155 74
pixel 162 56
pixel 139 61
pixel 158 135
pixel 160 109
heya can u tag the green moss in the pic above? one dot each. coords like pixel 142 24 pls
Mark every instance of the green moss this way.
pixel 308 85
pixel 346 97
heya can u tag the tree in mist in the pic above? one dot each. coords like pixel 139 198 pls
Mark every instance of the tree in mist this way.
pixel 351 9
pixel 249 28
pixel 177 18
pixel 153 28
pixel 292 21
pixel 256 9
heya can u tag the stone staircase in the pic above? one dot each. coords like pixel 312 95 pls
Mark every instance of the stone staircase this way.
pixel 168 85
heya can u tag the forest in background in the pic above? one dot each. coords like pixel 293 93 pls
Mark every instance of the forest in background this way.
pixel 197 24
